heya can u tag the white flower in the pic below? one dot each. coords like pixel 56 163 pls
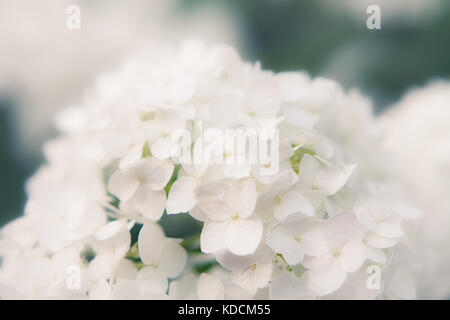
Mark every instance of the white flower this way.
pixel 346 253
pixel 111 244
pixel 140 186
pixel 182 196
pixel 378 215
pixel 181 289
pixel 210 287
pixel 289 287
pixel 229 206
pixel 164 257
pixel 64 213
pixel 260 97
pixel 251 272
pixel 126 142
pixel 282 203
pixel 322 176
pixel 296 237
pixel 164 123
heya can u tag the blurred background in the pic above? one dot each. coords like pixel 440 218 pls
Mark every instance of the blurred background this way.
pixel 44 66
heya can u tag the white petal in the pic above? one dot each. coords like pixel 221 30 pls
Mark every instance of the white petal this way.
pixel 150 241
pixel 323 261
pixel 324 147
pixel 342 228
pixel 285 287
pixel 243 236
pixel 376 255
pixel 133 155
pixel 181 196
pixel 197 213
pixel 214 198
pixel 108 231
pixel 226 108
pixel 182 289
pixel 150 281
pixel 115 145
pixel 122 185
pixel 212 238
pixel 292 85
pixel 245 278
pixel 126 291
pixel 247 198
pixel 172 259
pixel 377 241
pixel 402 282
pixel 163 148
pixel 327 279
pixel 321 92
pixel 255 276
pixel 180 90
pixel 299 117
pixel 284 178
pixel 263 273
pixel 282 288
pixel 236 170
pixel 100 267
pixel 292 202
pixel 149 203
pixel 364 216
pixel 159 173
pixel 407 211
pixel 210 288
pixel 113 235
pixel 101 290
pixel 314 241
pixel 231 261
pixel 389 230
pixel 291 250
pixel 331 180
pixel 235 292
pixel 263 97
pixel 309 168
pixel 352 256
pixel 125 271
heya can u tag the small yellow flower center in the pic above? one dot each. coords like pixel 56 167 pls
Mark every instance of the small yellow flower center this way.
pixel 147 116
pixel 336 253
pixel 297 238
pixel 277 200
pixel 141 179
pixel 235 216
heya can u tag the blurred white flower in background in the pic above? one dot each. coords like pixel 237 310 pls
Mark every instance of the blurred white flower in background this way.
pixel 417 135
pixel 310 230
pixel 45 66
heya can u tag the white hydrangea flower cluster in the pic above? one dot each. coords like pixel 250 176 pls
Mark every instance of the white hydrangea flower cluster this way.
pixel 311 230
